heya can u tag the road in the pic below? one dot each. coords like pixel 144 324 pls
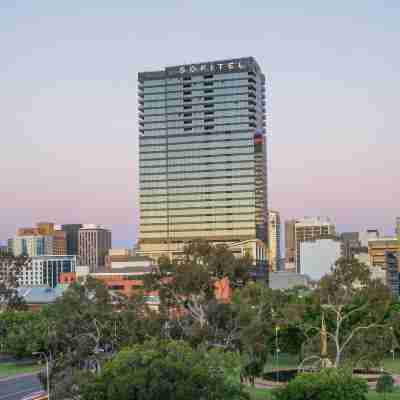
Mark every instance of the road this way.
pixel 16 388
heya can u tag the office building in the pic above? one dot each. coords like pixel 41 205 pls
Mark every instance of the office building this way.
pixel 378 248
pixel 33 245
pixel 305 229
pixel 290 242
pixel 274 240
pixel 46 270
pixel 3 249
pixel 44 239
pixel 10 246
pixel 72 237
pixel 202 155
pixel 392 261
pixel 318 257
pixel 94 244
pixel 367 235
pixel 351 244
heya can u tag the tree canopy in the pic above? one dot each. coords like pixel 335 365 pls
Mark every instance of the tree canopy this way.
pixel 168 370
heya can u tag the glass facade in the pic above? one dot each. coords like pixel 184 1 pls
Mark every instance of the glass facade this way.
pixel 203 152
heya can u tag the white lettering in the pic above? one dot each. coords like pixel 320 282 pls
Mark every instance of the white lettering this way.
pixel 230 66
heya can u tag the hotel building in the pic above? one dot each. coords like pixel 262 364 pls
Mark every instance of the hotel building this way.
pixel 202 156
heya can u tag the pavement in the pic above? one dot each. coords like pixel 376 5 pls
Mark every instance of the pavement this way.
pixel 19 387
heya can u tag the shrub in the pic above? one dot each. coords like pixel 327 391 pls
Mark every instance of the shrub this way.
pixel 325 385
pixel 385 384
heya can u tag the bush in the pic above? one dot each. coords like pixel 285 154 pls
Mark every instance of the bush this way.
pixel 168 370
pixel 325 385
pixel 385 384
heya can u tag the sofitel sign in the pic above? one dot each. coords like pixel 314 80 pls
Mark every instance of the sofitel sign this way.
pixel 212 67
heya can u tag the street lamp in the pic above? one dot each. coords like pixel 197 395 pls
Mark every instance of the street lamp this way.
pixel 392 351
pixel 277 352
pixel 40 353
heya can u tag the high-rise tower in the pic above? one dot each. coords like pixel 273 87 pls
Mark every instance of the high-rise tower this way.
pixel 274 240
pixel 202 155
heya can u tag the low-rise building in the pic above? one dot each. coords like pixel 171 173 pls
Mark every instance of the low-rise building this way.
pixel 123 258
pixel 283 280
pixel 38 296
pixel 124 280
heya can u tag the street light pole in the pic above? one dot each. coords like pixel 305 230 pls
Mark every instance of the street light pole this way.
pixel 392 351
pixel 277 352
pixel 40 353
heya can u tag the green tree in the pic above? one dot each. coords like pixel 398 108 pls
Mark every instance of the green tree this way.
pixel 325 385
pixel 354 307
pixel 187 290
pixel 167 370
pixel 10 270
pixel 80 331
pixel 86 326
pixel 23 333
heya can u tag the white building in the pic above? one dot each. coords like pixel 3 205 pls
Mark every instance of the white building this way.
pixel 317 258
pixel 46 270
pixel 309 229
pixel 367 235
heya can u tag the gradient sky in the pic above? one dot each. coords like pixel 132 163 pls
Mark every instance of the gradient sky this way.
pixel 68 116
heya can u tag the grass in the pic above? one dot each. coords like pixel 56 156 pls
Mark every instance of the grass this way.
pixel 287 361
pixel 259 394
pixel 266 394
pixel 10 369
pixel 392 365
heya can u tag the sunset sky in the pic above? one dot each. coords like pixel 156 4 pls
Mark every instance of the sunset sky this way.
pixel 68 110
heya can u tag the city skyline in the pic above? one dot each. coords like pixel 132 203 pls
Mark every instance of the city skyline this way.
pixel 69 101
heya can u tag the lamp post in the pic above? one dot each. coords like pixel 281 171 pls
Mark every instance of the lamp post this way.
pixel 40 353
pixel 277 352
pixel 392 351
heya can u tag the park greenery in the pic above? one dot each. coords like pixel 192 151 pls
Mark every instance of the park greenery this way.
pixel 103 344
pixel 330 383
